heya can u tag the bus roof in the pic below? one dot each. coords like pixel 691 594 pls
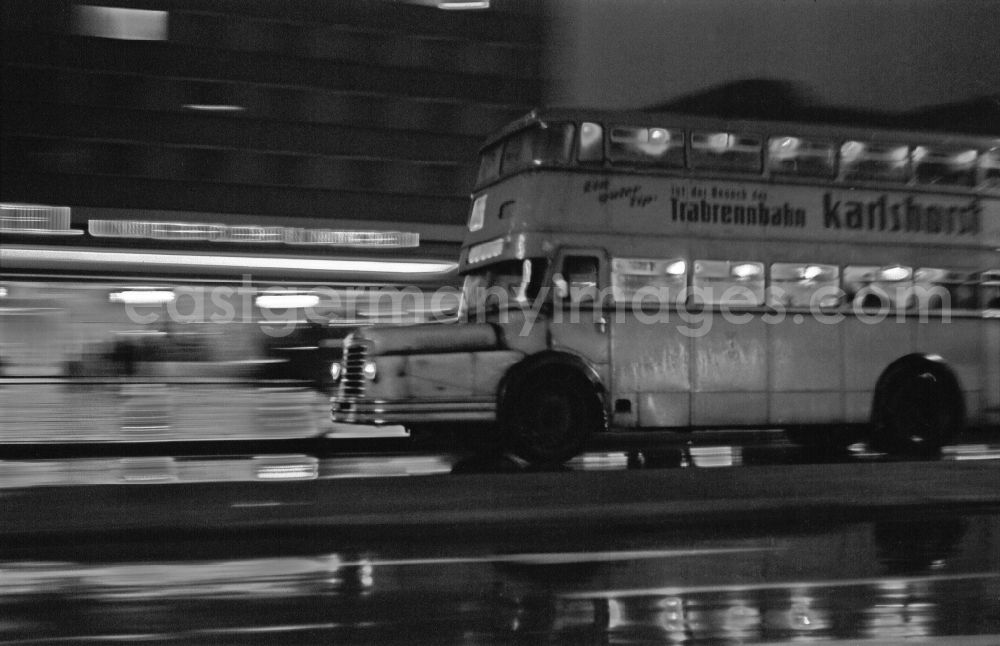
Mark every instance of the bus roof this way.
pixel 682 120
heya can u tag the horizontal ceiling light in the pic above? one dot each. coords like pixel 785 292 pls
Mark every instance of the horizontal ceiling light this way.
pixel 120 22
pixel 44 257
pixel 200 231
pixel 142 297
pixel 213 107
pixel 464 5
pixel 36 219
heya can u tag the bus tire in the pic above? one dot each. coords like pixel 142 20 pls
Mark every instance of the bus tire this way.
pixel 549 414
pixel 917 410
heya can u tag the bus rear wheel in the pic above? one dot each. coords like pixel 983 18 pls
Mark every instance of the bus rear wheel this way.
pixel 548 417
pixel 917 413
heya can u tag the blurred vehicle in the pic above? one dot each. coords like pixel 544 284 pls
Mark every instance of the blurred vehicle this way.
pixel 182 331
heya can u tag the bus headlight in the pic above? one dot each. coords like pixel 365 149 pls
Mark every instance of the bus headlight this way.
pixel 369 370
pixel 335 370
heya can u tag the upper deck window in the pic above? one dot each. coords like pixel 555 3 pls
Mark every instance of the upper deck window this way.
pixel 943 165
pixel 801 157
pixel 641 145
pixel 726 151
pixel 591 142
pixel 541 144
pixel 989 169
pixel 860 160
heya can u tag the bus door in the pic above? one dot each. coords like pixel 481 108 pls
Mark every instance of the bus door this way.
pixel 579 322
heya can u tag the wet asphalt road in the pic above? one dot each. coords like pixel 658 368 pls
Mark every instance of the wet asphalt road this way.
pixel 715 544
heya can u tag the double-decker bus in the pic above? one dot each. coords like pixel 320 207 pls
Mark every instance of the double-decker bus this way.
pixel 629 271
pixel 119 328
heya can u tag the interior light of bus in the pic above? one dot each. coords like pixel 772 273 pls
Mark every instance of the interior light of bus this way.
pixel 898 154
pixel 718 142
pixel 142 297
pixel 478 216
pixel 676 268
pixel 895 273
pixel 747 270
pixel 3 292
pixel 486 250
pixel 784 147
pixel 286 300
pixel 851 151
pixel 965 158
pixel 658 135
pixel 811 272
pixel 591 142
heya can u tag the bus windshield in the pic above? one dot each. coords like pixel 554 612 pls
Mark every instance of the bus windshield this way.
pixel 534 146
pixel 512 283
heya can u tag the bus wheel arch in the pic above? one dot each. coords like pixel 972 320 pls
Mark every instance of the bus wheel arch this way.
pixel 917 406
pixel 548 406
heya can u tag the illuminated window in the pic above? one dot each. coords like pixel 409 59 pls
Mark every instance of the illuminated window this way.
pixel 802 157
pixel 868 161
pixel 640 145
pixel 943 289
pixel 637 280
pixel 724 282
pixel 120 22
pixel 989 170
pixel 542 144
pixel 726 151
pixel 989 292
pixel 942 165
pixel 804 285
pixel 874 288
pixel 591 143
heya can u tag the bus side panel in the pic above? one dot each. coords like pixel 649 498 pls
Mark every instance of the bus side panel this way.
pixel 806 375
pixel 730 372
pixel 958 343
pixel 651 362
pixel 869 348
pixel 991 381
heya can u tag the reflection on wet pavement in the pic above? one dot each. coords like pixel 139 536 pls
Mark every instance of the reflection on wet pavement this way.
pixel 293 466
pixel 861 582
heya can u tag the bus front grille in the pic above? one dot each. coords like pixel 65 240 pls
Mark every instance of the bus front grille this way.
pixel 352 384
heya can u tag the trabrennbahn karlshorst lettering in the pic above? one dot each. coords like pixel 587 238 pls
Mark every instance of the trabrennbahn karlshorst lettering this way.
pixel 904 215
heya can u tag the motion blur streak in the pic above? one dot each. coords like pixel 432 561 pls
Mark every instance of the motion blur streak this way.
pixel 52 257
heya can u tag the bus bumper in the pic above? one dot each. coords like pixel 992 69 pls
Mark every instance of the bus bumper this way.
pixel 380 412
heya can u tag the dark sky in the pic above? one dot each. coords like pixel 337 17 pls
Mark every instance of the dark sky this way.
pixel 865 54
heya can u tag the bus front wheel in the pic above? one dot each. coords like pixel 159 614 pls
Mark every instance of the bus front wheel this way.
pixel 549 415
pixel 918 410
